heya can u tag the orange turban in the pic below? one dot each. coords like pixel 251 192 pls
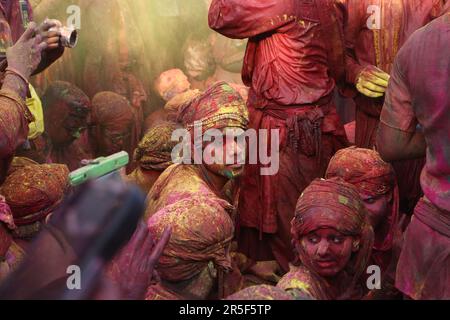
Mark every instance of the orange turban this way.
pixel 154 152
pixel 32 192
pixel 202 232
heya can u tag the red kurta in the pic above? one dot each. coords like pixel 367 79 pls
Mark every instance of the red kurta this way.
pixel 378 47
pixel 286 66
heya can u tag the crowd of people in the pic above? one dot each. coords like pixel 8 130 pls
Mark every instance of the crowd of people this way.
pixel 369 194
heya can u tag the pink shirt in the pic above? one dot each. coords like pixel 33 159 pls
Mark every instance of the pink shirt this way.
pixel 419 94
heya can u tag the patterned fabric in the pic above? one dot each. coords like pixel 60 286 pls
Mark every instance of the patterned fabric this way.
pixel 173 106
pixel 300 282
pixel 201 233
pixel 220 106
pixel 363 168
pixel 180 182
pixel 14 119
pixel 261 292
pixel 154 152
pixel 34 191
pixel 19 162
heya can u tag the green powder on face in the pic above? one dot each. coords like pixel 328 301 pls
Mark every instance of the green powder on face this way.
pixel 343 200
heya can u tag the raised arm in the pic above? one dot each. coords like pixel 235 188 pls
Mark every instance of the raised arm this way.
pixel 245 19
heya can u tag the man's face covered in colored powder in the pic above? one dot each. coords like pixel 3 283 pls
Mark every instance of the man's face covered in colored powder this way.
pixel 378 207
pixel 228 159
pixel 66 122
pixel 328 250
pixel 114 138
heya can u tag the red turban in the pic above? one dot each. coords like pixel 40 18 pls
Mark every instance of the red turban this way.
pixel 34 191
pixel 346 214
pixel 365 169
pixel 173 106
pixel 218 107
pixel 201 233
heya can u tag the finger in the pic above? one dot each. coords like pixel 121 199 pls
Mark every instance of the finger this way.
pixel 48 24
pixel 379 81
pixel 42 46
pixel 372 94
pixel 148 245
pixel 373 87
pixel 383 75
pixel 29 33
pixel 368 93
pixel 52 46
pixel 159 248
pixel 139 235
pixel 53 43
pixel 123 174
pixel 52 40
pixel 51 34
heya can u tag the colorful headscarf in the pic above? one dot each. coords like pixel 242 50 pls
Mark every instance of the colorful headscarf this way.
pixel 202 232
pixel 34 191
pixel 172 107
pixel 347 214
pixel 261 292
pixel 365 169
pixel 154 152
pixel 220 106
pixel 20 162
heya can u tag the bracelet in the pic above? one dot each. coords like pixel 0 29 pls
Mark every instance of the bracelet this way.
pixel 17 73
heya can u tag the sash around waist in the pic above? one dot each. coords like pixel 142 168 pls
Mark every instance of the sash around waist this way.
pixel 433 217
